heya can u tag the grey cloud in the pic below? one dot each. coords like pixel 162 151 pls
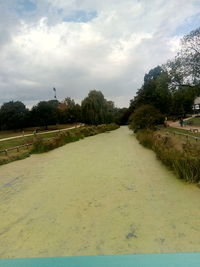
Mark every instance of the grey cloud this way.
pixel 111 52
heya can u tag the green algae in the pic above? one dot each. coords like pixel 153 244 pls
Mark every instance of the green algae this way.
pixel 103 195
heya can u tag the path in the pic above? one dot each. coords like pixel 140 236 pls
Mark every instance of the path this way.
pixel 47 132
pixel 176 124
pixel 105 194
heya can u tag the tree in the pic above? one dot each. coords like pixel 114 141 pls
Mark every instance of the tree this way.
pixel 184 70
pixel 182 101
pixel 96 109
pixel 122 115
pixel 146 116
pixel 13 115
pixel 45 113
pixel 190 54
pixel 154 91
pixel 69 111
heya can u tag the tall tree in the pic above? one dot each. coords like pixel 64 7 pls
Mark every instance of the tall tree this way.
pixel 154 91
pixel 184 69
pixel 13 115
pixel 96 109
pixel 45 113
pixel 69 111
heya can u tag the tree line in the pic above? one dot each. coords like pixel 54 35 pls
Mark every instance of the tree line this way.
pixel 170 89
pixel 94 110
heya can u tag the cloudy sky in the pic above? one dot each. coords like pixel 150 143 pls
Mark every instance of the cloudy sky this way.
pixel 80 45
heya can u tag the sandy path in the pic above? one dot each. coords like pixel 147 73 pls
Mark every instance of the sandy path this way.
pixel 102 195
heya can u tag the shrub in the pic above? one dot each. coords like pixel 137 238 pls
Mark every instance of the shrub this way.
pixel 146 116
pixel 185 163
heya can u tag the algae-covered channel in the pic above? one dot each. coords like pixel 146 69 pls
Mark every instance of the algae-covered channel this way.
pixel 105 194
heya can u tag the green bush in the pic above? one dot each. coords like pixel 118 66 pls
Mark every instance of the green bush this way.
pixel 146 116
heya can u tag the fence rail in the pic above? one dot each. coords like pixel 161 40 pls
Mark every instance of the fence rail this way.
pixel 13 148
pixel 186 135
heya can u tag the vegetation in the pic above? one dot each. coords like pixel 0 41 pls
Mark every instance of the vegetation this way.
pixel 46 142
pixel 144 117
pixel 94 110
pixel 170 90
pixel 194 121
pixel 172 87
pixel 183 158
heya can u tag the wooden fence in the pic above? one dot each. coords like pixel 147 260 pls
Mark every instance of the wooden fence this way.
pixel 17 148
pixel 186 135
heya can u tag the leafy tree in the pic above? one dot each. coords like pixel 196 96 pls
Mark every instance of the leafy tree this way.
pixel 45 113
pixel 111 111
pixel 95 109
pixel 146 116
pixel 13 115
pixel 154 91
pixel 184 70
pixel 182 101
pixel 69 111
pixel 190 53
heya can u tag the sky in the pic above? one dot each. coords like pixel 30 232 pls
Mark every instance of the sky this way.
pixel 80 45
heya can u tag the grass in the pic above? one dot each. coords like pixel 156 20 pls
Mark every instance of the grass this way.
pixel 194 121
pixel 24 140
pixel 30 130
pixel 180 155
pixel 49 141
pixel 14 155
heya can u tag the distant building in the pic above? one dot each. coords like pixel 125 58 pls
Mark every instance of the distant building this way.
pixel 196 106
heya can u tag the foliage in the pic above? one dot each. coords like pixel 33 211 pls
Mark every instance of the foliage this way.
pixel 96 109
pixel 173 87
pixel 13 115
pixel 185 163
pixel 184 69
pixel 69 111
pixel 154 91
pixel 45 113
pixel 41 145
pixel 146 116
pixel 13 157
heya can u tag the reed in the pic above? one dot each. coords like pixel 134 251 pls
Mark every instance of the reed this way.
pixel 185 162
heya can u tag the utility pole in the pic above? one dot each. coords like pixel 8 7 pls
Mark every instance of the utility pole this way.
pixel 55 96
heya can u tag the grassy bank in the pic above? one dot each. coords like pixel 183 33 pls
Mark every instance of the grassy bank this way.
pixel 181 156
pixel 49 142
pixel 30 130
pixel 194 121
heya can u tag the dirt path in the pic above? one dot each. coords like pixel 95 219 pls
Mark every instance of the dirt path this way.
pixel 176 124
pixel 105 194
pixel 47 132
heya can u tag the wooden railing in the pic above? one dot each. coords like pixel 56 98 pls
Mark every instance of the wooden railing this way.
pixel 186 135
pixel 17 148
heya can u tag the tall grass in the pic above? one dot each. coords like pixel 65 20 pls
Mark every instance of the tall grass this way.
pixel 41 145
pixel 44 144
pixel 185 162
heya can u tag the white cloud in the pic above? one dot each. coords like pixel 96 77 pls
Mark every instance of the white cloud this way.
pixel 111 52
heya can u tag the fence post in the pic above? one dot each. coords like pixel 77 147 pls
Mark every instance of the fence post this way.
pixel 6 152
